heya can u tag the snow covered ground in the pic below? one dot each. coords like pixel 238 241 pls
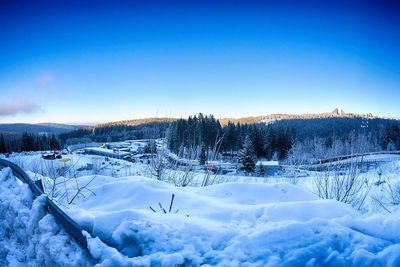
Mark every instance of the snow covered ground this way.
pixel 231 224
pixel 238 221
pixel 381 179
pixel 29 236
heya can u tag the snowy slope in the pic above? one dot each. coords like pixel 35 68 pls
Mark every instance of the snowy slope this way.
pixel 232 224
pixel 250 222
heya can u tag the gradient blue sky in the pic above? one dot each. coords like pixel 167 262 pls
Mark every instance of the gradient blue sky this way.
pixel 94 61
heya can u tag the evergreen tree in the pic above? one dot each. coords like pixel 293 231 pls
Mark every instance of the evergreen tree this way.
pixel 270 143
pixel 54 143
pixel 27 142
pixel 153 147
pixel 203 155
pixel 247 156
pixel 3 145
pixel 258 142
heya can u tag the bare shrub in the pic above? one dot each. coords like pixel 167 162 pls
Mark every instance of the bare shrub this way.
pixel 158 165
pixel 209 177
pixel 343 182
pixel 388 195
pixel 56 179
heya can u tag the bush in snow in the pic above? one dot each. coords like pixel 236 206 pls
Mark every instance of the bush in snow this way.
pixel 158 165
pixel 388 195
pixel 343 182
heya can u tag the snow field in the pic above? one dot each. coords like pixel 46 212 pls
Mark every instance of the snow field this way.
pixel 232 224
pixel 250 221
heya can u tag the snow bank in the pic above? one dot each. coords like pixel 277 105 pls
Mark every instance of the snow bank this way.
pixel 29 236
pixel 232 224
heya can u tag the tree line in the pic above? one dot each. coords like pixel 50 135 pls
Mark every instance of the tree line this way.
pixel 186 136
pixel 295 139
pixel 28 142
pixel 115 132
pixel 199 135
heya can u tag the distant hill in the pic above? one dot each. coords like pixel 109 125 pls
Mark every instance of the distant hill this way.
pixel 39 128
pixel 56 128
pixel 303 126
pixel 336 113
pixel 136 122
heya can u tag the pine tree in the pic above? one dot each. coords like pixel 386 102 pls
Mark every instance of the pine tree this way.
pixel 54 143
pixel 28 142
pixel 247 156
pixel 3 146
pixel 203 156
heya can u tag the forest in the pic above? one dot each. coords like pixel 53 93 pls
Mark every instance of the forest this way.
pixel 306 138
pixel 28 142
pixel 294 140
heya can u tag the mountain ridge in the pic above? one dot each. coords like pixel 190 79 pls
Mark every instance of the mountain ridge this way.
pixel 38 128
pixel 57 128
pixel 336 113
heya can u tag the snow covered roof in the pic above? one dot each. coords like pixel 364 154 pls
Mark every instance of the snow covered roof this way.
pixel 106 151
pixel 268 163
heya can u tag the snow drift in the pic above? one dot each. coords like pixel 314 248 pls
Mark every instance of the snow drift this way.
pixel 232 224
pixel 29 236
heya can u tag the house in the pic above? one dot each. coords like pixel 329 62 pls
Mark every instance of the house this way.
pixel 270 167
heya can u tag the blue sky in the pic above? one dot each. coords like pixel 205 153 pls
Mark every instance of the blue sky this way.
pixel 64 61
